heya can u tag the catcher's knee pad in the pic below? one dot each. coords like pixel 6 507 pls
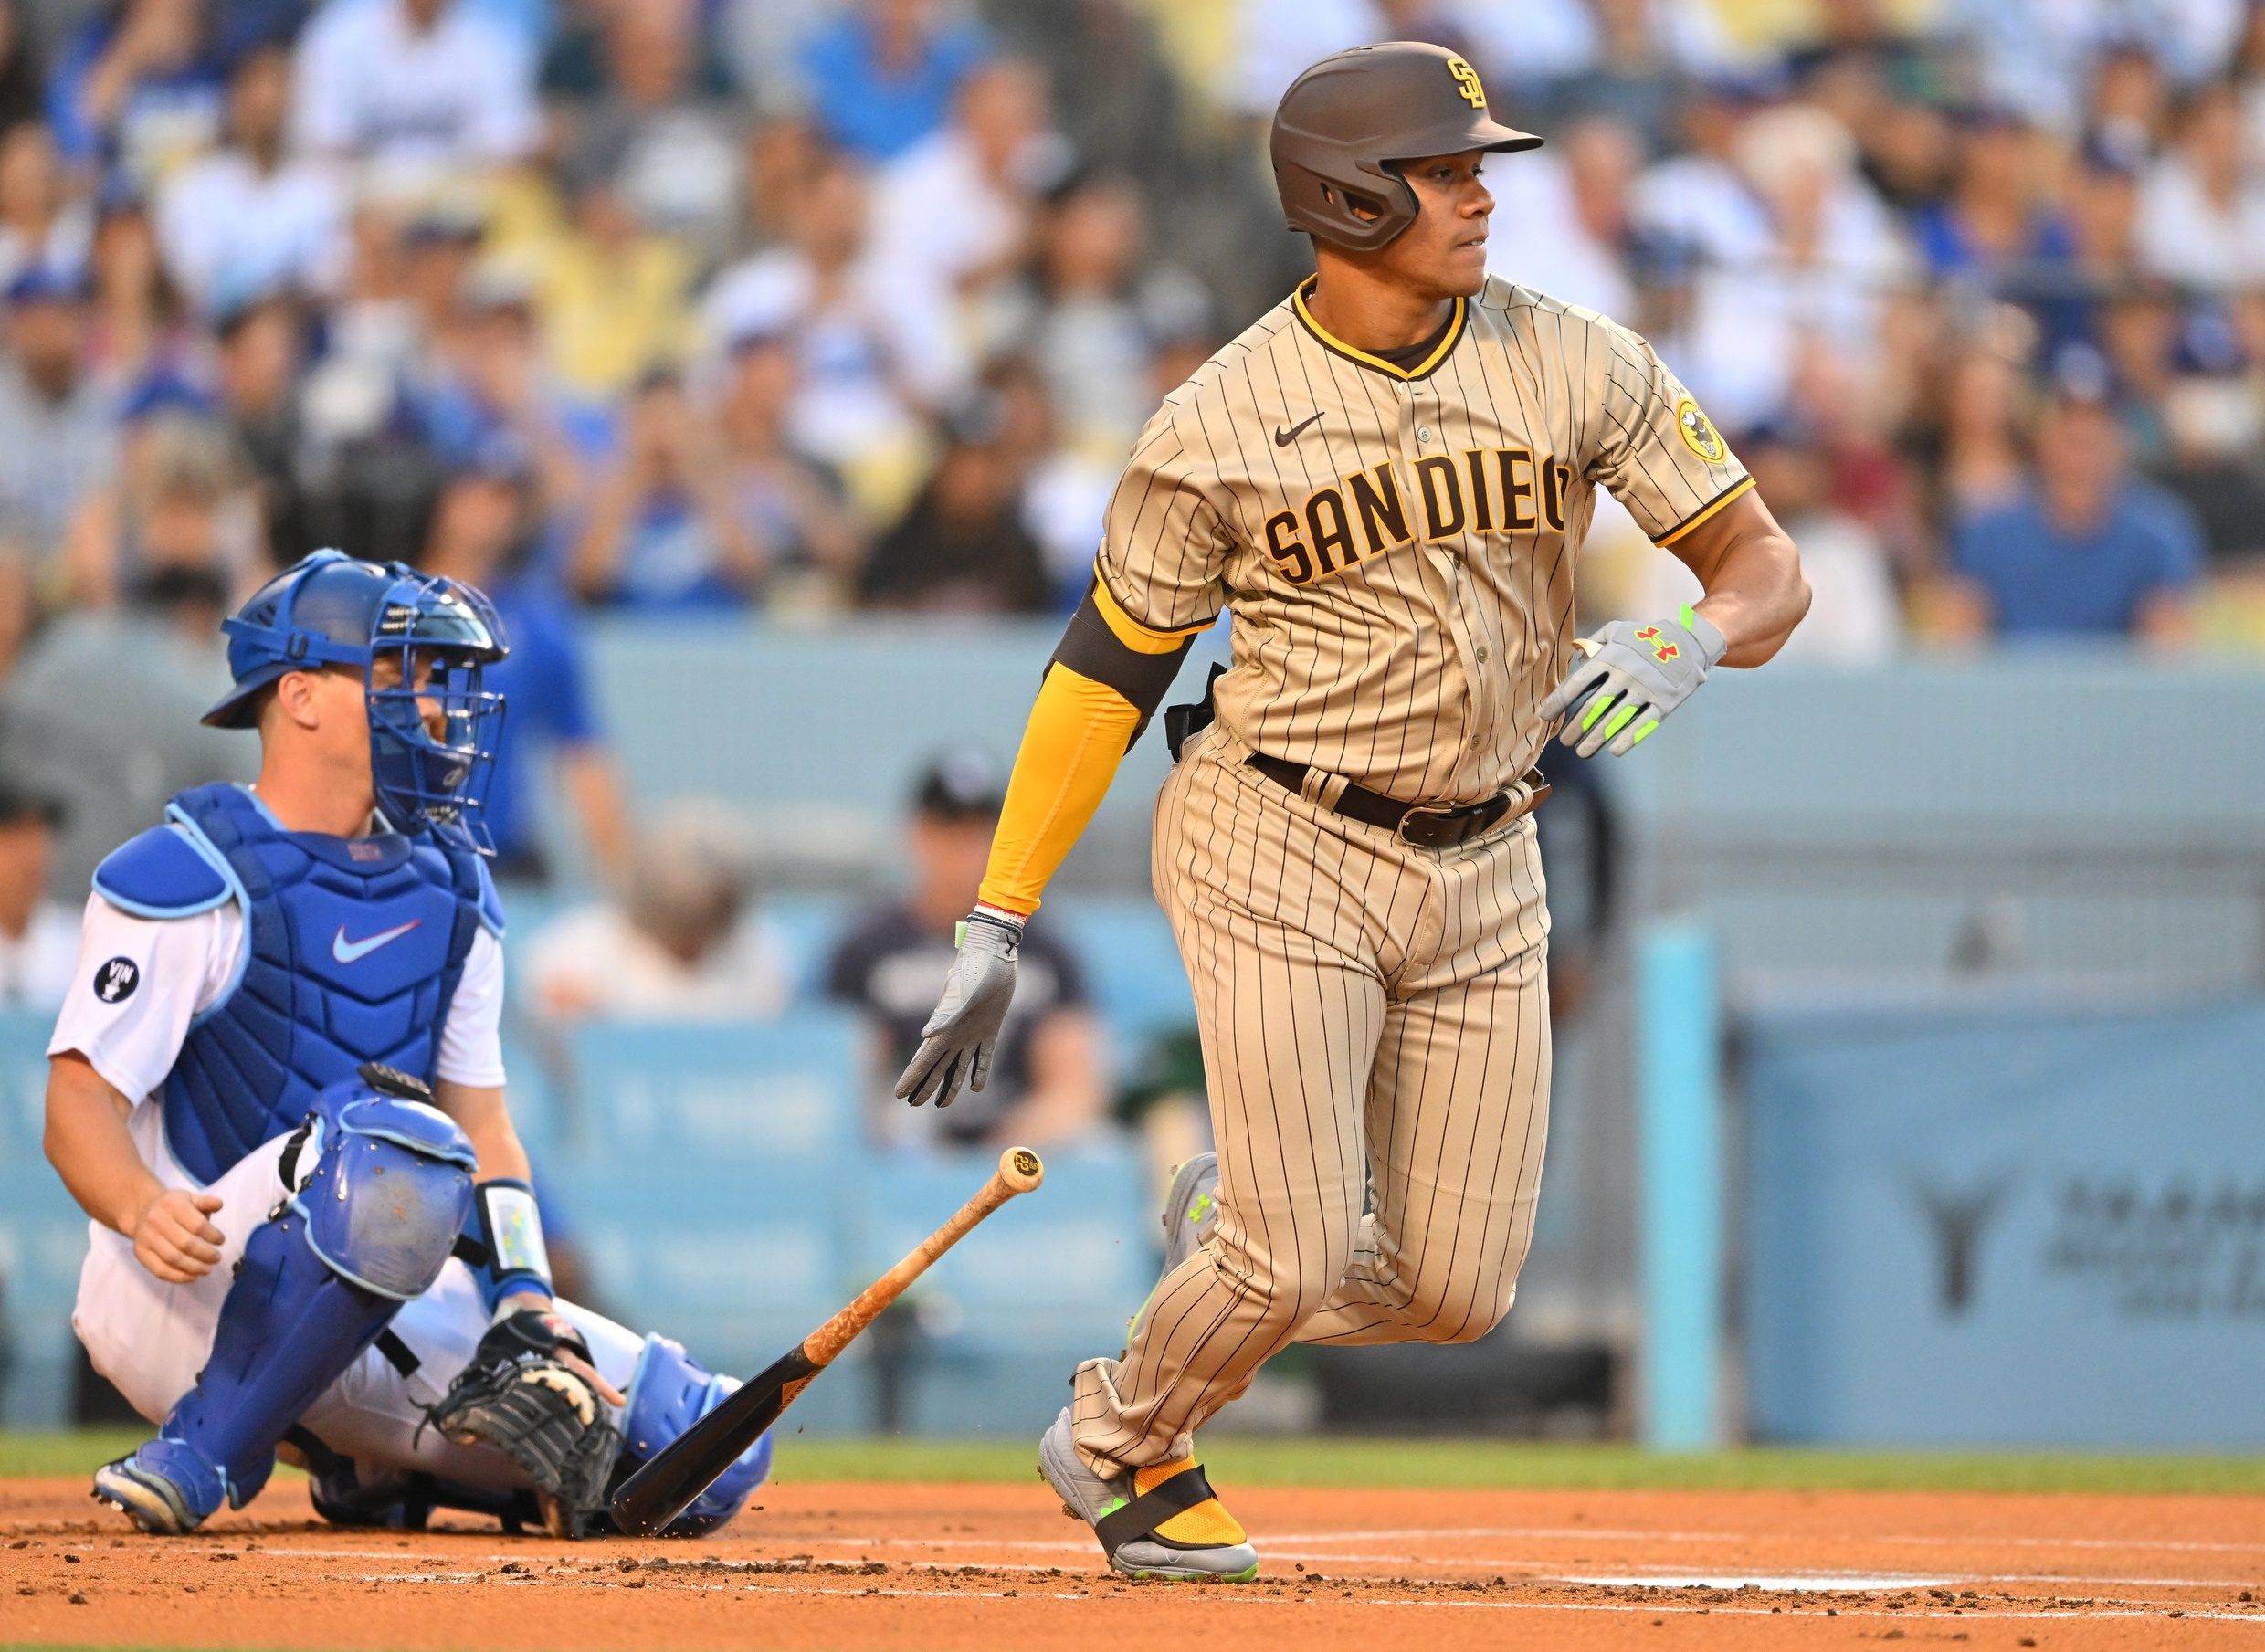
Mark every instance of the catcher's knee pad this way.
pixel 389 1191
pixel 670 1392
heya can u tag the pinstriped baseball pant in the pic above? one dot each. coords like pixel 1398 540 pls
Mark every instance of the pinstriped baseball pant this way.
pixel 1375 1030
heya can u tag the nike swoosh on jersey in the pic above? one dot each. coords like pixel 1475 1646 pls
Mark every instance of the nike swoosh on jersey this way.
pixel 1282 438
pixel 348 952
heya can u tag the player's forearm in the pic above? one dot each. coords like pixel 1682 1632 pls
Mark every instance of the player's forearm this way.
pixel 481 1112
pixel 1075 737
pixel 1755 594
pixel 88 1142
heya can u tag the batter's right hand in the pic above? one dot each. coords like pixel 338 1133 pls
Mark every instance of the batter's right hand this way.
pixel 173 1238
pixel 957 1042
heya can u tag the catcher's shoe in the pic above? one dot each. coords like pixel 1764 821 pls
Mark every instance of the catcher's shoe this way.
pixel 165 1487
pixel 1191 1210
pixel 1163 1521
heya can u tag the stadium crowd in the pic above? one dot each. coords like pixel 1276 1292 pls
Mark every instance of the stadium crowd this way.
pixel 706 308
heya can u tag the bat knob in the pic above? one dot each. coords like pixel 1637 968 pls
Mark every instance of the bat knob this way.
pixel 1021 1169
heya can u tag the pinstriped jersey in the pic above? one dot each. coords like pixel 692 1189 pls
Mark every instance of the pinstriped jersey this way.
pixel 1398 543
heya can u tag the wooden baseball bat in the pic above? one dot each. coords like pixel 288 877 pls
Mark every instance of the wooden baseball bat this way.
pixel 662 1490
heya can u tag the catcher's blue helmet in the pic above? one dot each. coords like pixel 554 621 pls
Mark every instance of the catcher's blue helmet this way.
pixel 432 744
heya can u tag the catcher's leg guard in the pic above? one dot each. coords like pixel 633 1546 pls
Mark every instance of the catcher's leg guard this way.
pixel 671 1392
pixel 370 1226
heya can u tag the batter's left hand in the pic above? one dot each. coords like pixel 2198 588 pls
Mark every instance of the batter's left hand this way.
pixel 957 1042
pixel 1631 677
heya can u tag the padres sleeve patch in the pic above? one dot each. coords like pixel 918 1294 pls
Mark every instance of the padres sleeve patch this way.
pixel 1699 433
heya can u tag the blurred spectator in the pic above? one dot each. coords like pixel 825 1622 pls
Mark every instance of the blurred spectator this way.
pixel 136 317
pixel 1130 114
pixel 2130 104
pixel 2000 230
pixel 1090 315
pixel 485 529
pixel 2201 215
pixel 806 542
pixel 137 90
pixel 1644 54
pixel 952 214
pixel 2104 219
pixel 2032 55
pixel 2215 440
pixel 664 530
pixel 2139 329
pixel 39 937
pixel 1823 274
pixel 57 443
pixel 440 245
pixel 683 942
pixel 417 86
pixel 23 77
pixel 251 218
pixel 867 362
pixel 1972 451
pixel 1046 1080
pixel 1561 226
pixel 657 128
pixel 881 75
pixel 177 533
pixel 257 367
pixel 492 380
pixel 41 223
pixel 2088 550
pixel 106 705
pixel 963 545
pixel 1695 200
pixel 613 293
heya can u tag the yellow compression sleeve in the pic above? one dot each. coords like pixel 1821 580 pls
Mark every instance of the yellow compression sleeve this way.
pixel 1078 733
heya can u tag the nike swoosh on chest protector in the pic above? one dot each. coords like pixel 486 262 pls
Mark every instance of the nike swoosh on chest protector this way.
pixel 347 952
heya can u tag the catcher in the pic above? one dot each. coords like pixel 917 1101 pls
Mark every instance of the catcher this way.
pixel 278 1090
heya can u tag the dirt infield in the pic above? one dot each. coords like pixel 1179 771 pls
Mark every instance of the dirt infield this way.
pixel 997 1568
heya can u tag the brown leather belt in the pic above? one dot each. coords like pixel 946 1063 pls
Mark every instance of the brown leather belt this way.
pixel 1423 824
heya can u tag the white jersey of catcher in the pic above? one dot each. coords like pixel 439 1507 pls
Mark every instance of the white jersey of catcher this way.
pixel 1398 543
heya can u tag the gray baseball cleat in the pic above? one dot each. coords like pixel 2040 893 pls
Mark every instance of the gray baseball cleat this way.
pixel 1163 1522
pixel 1191 1210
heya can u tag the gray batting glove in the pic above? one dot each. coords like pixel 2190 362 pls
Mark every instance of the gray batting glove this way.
pixel 1638 674
pixel 958 1040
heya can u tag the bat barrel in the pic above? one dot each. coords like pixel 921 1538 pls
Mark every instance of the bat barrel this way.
pixel 663 1489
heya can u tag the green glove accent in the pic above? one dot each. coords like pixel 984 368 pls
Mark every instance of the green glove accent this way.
pixel 1629 672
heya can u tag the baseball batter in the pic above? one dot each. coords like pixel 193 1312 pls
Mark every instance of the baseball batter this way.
pixel 1386 478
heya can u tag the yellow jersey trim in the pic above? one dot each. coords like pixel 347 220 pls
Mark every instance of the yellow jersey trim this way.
pixel 1741 486
pixel 1422 369
pixel 1141 639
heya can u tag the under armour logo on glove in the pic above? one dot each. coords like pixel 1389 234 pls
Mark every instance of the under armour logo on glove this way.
pixel 1628 677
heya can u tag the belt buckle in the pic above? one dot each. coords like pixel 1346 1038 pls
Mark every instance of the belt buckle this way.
pixel 1425 811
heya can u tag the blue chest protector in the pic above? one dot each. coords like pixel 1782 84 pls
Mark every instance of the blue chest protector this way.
pixel 354 949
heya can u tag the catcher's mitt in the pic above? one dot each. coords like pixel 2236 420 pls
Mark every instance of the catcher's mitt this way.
pixel 519 1396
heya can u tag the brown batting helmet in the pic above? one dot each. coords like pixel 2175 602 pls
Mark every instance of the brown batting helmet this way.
pixel 1345 122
